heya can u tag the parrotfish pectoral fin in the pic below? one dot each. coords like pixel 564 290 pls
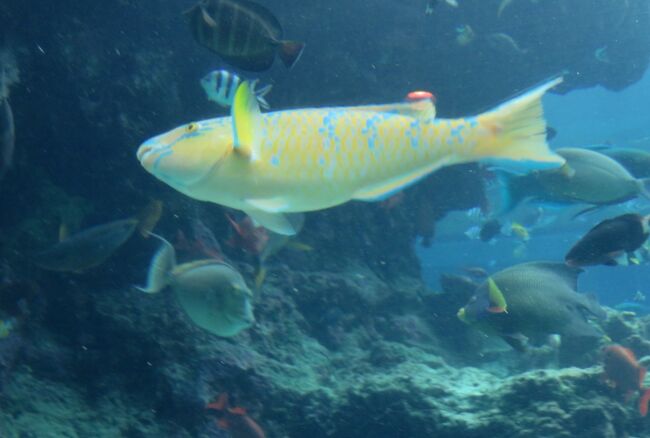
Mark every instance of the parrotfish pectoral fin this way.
pixel 246 119
pixel 276 222
pixel 162 264
pixel 386 189
pixel 515 133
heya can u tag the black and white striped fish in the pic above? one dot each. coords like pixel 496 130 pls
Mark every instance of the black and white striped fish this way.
pixel 221 85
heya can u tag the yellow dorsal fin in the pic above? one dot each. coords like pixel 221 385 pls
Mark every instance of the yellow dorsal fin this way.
pixel 246 118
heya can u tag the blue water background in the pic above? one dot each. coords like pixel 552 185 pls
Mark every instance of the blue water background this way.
pixel 581 118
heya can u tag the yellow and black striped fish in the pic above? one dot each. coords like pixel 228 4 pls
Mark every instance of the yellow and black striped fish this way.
pixel 243 33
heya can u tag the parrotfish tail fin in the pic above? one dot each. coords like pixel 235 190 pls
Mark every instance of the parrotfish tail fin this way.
pixel 644 187
pixel 513 135
pixel 160 268
pixel 643 402
pixel 220 404
pixel 290 52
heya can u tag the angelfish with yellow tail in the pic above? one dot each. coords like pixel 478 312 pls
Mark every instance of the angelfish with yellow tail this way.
pixel 311 159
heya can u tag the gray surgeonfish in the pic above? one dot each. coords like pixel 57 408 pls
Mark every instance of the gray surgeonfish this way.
pixel 213 294
pixel 588 177
pixel 243 33
pixel 532 300
pixel 611 241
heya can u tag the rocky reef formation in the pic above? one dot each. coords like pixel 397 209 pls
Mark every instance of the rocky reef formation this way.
pixel 340 353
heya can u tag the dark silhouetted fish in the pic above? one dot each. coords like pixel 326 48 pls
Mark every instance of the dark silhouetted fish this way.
pixel 610 241
pixel 8 77
pixel 88 248
pixel 7 137
pixel 532 300
pixel 588 177
pixel 243 33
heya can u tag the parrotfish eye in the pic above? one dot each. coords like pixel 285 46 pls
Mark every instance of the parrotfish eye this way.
pixel 191 127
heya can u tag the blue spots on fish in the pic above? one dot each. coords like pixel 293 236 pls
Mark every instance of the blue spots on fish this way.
pixel 275 160
pixel 472 122
pixel 321 160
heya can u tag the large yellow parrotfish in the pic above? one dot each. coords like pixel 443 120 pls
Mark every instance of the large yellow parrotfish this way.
pixel 310 159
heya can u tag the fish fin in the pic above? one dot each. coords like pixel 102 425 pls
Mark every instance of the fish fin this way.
pixel 270 205
pixel 260 93
pixel 587 211
pixel 290 52
pixel 207 19
pixel 423 108
pixel 149 217
pixel 276 222
pixel 260 277
pixel 299 246
pixel 64 231
pixel 498 302
pixel 238 410
pixel 386 189
pixel 515 133
pixel 643 402
pixel 618 258
pixel 246 119
pixel 642 373
pixel 644 187
pixel 160 268
pixel 568 273
pixel 220 404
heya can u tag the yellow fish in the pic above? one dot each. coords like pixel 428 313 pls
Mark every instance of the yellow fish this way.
pixel 311 159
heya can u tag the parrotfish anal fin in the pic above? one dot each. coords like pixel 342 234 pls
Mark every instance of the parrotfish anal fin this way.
pixel 276 222
pixel 386 189
pixel 246 120
pixel 422 109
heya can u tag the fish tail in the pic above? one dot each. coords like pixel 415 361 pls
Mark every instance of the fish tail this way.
pixel 643 402
pixel 644 187
pixel 514 133
pixel 160 268
pixel 290 52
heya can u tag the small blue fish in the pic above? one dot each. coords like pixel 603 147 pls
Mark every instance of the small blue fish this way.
pixel 220 86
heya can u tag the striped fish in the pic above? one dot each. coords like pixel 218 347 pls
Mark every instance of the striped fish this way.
pixel 221 85
pixel 311 159
pixel 243 33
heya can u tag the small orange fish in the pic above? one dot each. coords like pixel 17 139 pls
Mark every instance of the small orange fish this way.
pixel 625 374
pixel 235 420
